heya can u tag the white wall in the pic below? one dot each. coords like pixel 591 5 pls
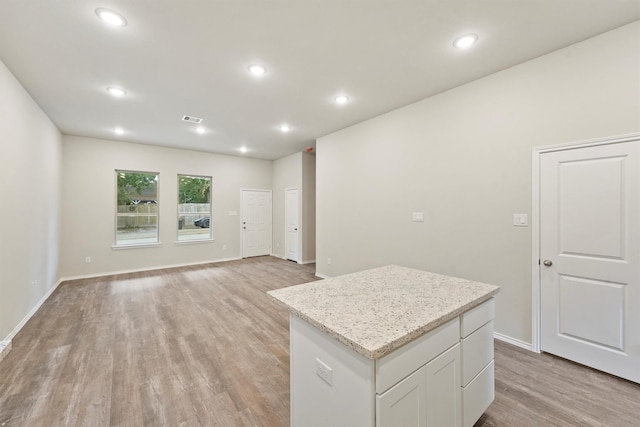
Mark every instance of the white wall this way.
pixel 287 173
pixel 463 158
pixel 30 167
pixel 295 171
pixel 308 208
pixel 89 199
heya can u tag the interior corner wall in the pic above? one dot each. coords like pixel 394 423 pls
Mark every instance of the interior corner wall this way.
pixel 308 208
pixel 30 189
pixel 88 203
pixel 463 157
pixel 287 173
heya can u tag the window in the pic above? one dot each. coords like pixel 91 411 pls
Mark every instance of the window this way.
pixel 194 208
pixel 136 208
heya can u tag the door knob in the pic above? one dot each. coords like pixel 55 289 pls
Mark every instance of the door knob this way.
pixel 295 229
pixel 547 262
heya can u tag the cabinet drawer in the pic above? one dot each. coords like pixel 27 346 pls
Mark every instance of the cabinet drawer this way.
pixel 477 396
pixel 397 365
pixel 477 352
pixel 476 317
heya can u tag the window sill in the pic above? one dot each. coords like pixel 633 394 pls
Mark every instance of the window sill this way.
pixel 193 242
pixel 136 246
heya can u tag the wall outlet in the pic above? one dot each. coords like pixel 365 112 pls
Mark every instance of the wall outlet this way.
pixel 417 216
pixel 324 371
pixel 87 260
pixel 329 261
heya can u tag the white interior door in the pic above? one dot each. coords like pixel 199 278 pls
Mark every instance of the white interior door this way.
pixel 590 256
pixel 291 219
pixel 256 222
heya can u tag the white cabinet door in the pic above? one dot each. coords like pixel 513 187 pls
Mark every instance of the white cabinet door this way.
pixel 404 404
pixel 443 392
pixel 430 397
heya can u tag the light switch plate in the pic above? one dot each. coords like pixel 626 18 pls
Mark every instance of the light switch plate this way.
pixel 417 216
pixel 520 220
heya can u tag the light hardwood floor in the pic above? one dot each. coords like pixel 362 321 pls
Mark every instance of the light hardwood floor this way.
pixel 204 345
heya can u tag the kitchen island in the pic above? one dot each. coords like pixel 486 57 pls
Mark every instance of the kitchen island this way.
pixel 391 346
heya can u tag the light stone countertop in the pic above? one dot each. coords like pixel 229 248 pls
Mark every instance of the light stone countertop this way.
pixel 376 311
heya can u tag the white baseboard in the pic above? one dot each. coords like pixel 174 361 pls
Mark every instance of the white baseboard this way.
pixel 5 348
pixel 322 276
pixel 513 341
pixel 138 270
pixel 287 259
pixel 30 314
pixel 299 262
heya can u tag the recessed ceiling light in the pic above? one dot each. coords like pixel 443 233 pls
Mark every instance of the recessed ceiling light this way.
pixel 243 149
pixel 465 41
pixel 200 130
pixel 284 128
pixel 257 70
pixel 110 17
pixel 341 99
pixel 118 131
pixel 116 91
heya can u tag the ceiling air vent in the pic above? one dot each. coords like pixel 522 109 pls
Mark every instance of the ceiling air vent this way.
pixel 192 119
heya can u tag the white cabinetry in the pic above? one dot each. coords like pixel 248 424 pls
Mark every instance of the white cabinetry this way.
pixel 443 389
pixel 478 385
pixel 431 395
pixel 442 379
pixel 428 397
pixel 404 404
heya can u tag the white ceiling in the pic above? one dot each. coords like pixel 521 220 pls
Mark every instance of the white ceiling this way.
pixel 190 57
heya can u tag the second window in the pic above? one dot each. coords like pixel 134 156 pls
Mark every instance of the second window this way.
pixel 194 208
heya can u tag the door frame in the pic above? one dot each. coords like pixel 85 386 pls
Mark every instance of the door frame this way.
pixel 299 260
pixel 535 220
pixel 240 233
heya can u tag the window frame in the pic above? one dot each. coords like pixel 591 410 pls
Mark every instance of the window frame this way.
pixel 119 244
pixel 209 237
